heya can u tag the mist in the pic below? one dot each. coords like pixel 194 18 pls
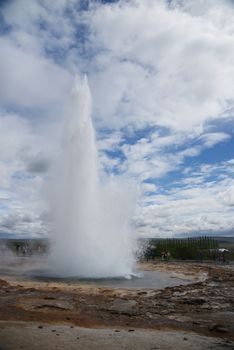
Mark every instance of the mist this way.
pixel 91 235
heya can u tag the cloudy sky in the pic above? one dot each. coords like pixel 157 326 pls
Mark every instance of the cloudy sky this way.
pixel 162 78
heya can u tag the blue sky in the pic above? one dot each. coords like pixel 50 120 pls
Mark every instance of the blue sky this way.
pixel 161 75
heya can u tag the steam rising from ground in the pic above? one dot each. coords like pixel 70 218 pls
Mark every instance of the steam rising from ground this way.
pixel 91 237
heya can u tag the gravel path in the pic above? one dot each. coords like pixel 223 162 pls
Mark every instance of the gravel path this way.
pixel 34 336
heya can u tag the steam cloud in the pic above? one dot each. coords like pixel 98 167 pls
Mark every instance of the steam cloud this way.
pixel 92 236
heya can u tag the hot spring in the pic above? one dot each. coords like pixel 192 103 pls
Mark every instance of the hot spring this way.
pixel 91 234
pixel 91 241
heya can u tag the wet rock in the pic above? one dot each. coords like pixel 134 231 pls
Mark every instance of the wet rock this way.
pixel 179 294
pixel 142 293
pixel 221 329
pixel 180 318
pixel 194 301
pixel 217 278
pixel 123 307
pixel 49 298
pixel 165 312
pixel 30 290
pixel 50 306
pixel 218 328
pixel 206 307
pixel 196 322
pixel 53 304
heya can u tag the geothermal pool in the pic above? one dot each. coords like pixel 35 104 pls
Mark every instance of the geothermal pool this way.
pixel 35 270
pixel 141 280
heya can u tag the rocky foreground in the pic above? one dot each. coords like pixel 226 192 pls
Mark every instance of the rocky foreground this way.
pixel 199 315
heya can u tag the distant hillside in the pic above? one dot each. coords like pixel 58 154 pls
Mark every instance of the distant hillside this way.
pixel 225 242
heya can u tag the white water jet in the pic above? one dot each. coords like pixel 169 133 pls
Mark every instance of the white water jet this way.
pixel 91 237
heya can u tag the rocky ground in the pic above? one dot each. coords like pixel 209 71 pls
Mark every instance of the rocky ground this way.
pixel 199 315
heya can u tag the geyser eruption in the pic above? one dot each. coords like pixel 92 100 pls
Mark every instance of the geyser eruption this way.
pixel 91 234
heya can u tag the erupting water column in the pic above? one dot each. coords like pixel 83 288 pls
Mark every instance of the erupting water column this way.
pixel 92 236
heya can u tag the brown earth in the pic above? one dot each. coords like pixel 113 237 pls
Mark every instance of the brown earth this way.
pixel 205 307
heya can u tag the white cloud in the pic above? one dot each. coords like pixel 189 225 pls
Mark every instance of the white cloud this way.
pixel 161 66
pixel 21 181
pixel 227 197
pixel 14 137
pixel 148 188
pixel 211 139
pixel 148 62
pixel 30 81
pixel 196 205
